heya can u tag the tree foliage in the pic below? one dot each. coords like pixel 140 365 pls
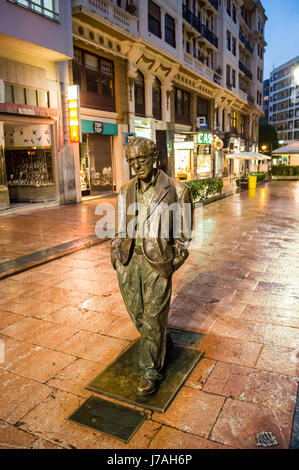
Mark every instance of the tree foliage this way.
pixel 268 136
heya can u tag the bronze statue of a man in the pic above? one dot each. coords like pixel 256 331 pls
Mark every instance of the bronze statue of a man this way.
pixel 152 233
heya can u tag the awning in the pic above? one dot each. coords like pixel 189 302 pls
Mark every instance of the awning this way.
pixel 287 149
pixel 248 156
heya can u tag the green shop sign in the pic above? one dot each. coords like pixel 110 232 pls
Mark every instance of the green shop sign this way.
pixel 205 138
pixel 96 127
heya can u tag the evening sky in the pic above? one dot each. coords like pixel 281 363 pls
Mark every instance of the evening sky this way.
pixel 282 32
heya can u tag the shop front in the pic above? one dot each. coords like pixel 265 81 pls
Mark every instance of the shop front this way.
pixel 96 150
pixel 204 155
pixel 183 156
pixel 27 170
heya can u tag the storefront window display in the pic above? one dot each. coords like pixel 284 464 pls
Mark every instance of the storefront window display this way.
pixel 84 167
pixel 29 163
pixel 183 157
pixel 204 154
pixel 100 173
pixel 29 167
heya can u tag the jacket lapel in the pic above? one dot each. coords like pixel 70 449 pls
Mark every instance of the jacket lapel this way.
pixel 161 189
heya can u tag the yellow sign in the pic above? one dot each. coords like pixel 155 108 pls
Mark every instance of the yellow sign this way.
pixel 74 113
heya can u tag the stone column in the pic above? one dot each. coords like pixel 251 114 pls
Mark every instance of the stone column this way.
pixel 4 195
pixel 165 91
pixel 220 118
pixel 68 155
pixel 148 85
pixel 131 104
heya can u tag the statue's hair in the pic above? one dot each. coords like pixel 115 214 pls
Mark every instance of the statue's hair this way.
pixel 144 146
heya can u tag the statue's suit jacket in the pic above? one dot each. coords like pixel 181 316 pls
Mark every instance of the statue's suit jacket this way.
pixel 165 252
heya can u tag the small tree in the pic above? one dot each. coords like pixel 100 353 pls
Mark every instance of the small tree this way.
pixel 267 138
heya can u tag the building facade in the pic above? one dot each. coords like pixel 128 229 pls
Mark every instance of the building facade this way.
pixel 284 101
pixel 186 74
pixel 37 162
pixel 266 100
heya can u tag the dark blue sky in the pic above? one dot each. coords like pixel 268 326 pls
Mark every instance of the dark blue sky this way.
pixel 282 32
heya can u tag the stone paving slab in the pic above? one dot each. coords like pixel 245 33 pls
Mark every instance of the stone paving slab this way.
pixel 63 322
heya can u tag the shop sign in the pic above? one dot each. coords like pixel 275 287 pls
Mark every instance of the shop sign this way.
pixel 98 127
pixel 218 144
pixel 205 138
pixel 74 113
pixel 28 111
pixel 184 145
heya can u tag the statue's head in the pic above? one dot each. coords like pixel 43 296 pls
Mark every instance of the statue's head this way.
pixel 141 155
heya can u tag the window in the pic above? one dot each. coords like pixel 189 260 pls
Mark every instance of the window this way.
pixel 169 30
pixel 228 7
pixel 228 40
pixel 290 124
pixel 296 135
pixel 106 73
pixel 234 122
pixel 228 76
pixel 47 8
pixel 157 108
pixel 296 124
pixel 182 106
pixel 92 73
pixel 234 46
pixel 154 18
pixel 234 78
pixel 139 94
pixel 234 13
pixel 95 77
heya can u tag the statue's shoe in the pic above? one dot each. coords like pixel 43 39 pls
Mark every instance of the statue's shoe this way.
pixel 146 386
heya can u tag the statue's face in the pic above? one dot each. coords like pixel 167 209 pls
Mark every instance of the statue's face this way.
pixel 142 165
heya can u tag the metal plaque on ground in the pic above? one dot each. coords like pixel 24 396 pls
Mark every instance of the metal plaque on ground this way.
pixel 112 419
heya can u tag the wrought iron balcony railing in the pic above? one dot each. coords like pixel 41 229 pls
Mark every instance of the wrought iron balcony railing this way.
pixel 245 41
pixel 209 35
pixel 245 70
pixel 192 19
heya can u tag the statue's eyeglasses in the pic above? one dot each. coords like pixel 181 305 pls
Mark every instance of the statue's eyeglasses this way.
pixel 141 159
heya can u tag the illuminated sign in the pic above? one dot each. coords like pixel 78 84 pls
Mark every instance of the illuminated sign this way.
pixel 74 113
pixel 218 144
pixel 205 138
pixel 184 145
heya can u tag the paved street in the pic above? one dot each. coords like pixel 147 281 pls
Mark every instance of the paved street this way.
pixel 63 322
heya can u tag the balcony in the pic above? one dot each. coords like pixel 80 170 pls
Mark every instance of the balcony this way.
pixel 107 10
pixel 246 42
pixel 250 99
pixel 202 68
pixel 242 94
pixel 245 70
pixel 208 35
pixel 192 19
